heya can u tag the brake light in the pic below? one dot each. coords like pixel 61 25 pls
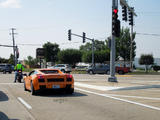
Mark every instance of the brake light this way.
pixel 69 76
pixel 40 76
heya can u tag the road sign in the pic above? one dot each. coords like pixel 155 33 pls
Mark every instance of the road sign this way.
pixel 40 53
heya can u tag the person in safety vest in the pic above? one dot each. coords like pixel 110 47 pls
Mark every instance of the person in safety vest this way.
pixel 18 67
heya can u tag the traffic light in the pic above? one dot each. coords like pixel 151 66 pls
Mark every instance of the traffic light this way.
pixel 124 13
pixel 130 18
pixel 69 35
pixel 115 23
pixel 118 28
pixel 84 37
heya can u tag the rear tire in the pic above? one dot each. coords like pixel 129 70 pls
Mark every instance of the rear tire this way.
pixel 70 91
pixel 121 72
pixel 90 72
pixel 107 72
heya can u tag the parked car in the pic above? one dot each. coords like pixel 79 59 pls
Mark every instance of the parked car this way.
pixel 6 68
pixel 81 68
pixel 105 69
pixel 122 70
pixel 99 69
pixel 41 79
pixel 65 68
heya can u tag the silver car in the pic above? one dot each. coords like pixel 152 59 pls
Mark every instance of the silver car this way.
pixel 65 68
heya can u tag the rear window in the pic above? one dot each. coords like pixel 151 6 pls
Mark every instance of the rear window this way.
pixel 49 71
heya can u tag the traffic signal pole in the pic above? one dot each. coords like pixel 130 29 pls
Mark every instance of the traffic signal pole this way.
pixel 131 51
pixel 112 77
pixel 84 38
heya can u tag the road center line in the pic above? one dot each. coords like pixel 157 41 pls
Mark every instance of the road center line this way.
pixel 119 99
pixel 24 103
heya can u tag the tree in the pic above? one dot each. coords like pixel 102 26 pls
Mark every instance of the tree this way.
pixel 3 60
pixel 70 56
pixel 99 56
pixel 31 62
pixel 11 59
pixel 101 52
pixel 51 51
pixel 146 59
pixel 98 45
pixel 123 45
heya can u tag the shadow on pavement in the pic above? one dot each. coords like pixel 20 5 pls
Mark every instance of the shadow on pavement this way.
pixel 50 93
pixel 3 96
pixel 5 117
pixel 138 87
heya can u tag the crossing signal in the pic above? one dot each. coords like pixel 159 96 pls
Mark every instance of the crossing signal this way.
pixel 84 37
pixel 124 13
pixel 69 35
pixel 115 23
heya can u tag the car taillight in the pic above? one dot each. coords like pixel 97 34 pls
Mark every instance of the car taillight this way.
pixel 69 78
pixel 40 76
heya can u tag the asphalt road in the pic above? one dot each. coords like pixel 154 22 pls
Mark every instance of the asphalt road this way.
pixel 132 98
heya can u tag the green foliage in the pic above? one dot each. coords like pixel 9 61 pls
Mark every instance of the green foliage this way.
pixel 123 45
pixel 98 45
pixel 69 56
pixel 87 57
pixel 11 59
pixel 99 56
pixel 146 59
pixel 156 68
pixel 101 52
pixel 31 62
pixel 51 51
pixel 3 60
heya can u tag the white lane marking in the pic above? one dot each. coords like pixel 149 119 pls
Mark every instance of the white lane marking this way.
pixel 103 88
pixel 24 103
pixel 119 99
pixel 148 98
pixel 10 83
pixel 146 82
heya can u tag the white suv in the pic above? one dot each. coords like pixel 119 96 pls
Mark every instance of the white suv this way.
pixel 65 68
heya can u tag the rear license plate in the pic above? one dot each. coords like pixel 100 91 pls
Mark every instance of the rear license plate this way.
pixel 55 86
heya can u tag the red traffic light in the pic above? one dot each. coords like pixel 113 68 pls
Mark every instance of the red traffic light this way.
pixel 115 11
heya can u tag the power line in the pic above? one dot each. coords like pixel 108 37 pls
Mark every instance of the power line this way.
pixel 150 34
pixel 30 44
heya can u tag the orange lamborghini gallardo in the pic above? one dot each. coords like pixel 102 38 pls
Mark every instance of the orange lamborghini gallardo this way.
pixel 40 79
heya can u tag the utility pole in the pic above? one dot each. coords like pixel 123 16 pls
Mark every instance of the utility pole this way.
pixel 112 77
pixel 131 51
pixel 14 47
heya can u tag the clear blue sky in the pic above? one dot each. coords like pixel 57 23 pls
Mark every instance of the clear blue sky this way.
pixel 39 21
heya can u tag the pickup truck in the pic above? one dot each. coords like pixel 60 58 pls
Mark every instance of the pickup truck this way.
pixel 122 70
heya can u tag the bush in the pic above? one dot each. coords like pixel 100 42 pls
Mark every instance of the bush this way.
pixel 156 68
